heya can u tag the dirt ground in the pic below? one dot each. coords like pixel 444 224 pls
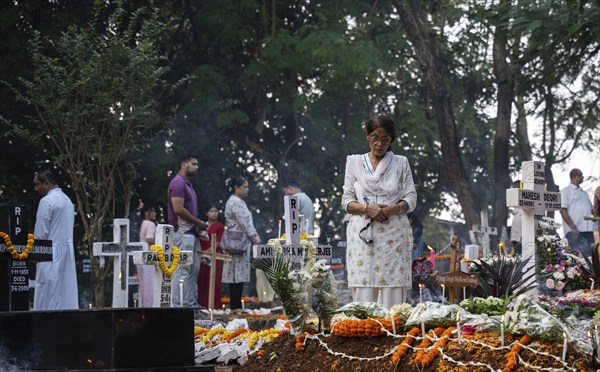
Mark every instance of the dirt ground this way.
pixel 281 355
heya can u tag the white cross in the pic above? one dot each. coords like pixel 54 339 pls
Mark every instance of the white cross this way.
pixel 534 201
pixel 484 231
pixel 120 249
pixel 293 224
pixel 162 283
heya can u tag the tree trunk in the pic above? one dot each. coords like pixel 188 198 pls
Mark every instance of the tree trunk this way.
pixel 428 55
pixel 505 80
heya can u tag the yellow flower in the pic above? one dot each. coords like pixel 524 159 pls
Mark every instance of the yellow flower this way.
pixel 168 270
pixel 13 253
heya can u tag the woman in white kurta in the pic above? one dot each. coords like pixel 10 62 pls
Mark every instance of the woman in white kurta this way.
pixel 238 218
pixel 378 193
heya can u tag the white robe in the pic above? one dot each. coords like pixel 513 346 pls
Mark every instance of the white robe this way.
pixel 56 281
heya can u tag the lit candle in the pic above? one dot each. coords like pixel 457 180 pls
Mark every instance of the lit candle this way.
pixel 90 306
pixel 431 256
pixel 443 294
pixel 279 233
pixel 458 327
pixel 393 323
pixel 223 307
pixel 423 327
pixel 421 292
pixel 243 305
pixel 592 287
pixel 181 292
pixel 135 303
pixel 502 331
pixel 264 295
pixel 306 227
pixel 564 354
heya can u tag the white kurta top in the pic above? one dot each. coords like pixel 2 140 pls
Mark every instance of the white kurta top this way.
pixel 56 281
pixel 387 261
pixel 238 218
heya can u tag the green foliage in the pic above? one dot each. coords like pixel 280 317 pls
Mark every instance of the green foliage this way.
pixel 504 276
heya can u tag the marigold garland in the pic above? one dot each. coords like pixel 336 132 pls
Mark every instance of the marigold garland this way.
pixel 403 348
pixel 234 334
pixel 11 249
pixel 300 341
pixel 212 333
pixel 168 270
pixel 425 358
pixel 364 327
pixel 513 354
pixel 199 331
pixel 426 343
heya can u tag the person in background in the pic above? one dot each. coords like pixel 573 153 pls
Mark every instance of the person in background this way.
pixel 183 216
pixel 596 210
pixel 214 227
pixel 575 205
pixel 135 222
pixel 516 224
pixel 146 272
pixel 238 218
pixel 56 281
pixel 378 193
pixel 306 206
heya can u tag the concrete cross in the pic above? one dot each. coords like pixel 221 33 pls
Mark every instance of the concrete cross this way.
pixel 213 256
pixel 483 232
pixel 534 201
pixel 162 284
pixel 120 249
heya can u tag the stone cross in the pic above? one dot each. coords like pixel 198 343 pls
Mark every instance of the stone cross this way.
pixel 534 201
pixel 293 224
pixel 14 274
pixel 162 284
pixel 484 231
pixel 120 249
pixel 213 256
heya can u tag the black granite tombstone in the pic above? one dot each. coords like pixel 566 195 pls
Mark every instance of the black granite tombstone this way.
pixel 97 339
pixel 14 274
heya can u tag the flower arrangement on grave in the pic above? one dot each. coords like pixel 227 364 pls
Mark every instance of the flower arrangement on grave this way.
pixel 525 316
pixel 322 291
pixel 490 305
pixel 160 253
pixel 559 269
pixel 501 276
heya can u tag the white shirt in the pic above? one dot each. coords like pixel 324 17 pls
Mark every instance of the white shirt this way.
pixel 578 204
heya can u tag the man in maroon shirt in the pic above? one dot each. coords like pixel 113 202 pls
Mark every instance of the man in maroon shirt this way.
pixel 183 215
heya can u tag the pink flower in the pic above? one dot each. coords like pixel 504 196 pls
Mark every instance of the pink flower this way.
pixel 560 285
pixel 563 263
pixel 550 283
pixel 560 269
pixel 548 267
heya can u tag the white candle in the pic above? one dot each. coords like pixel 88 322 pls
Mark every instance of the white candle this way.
pixel 90 306
pixel 420 293
pixel 393 323
pixel 592 287
pixel 465 293
pixel 135 303
pixel 181 292
pixel 243 305
pixel 279 233
pixel 211 315
pixel 458 327
pixel 564 354
pixel 502 331
pixel 306 227
pixel 264 295
pixel 443 294
pixel 379 299
pixel 596 334
pixel 423 328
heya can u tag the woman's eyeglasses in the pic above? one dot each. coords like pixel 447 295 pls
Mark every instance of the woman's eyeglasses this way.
pixel 363 230
pixel 384 141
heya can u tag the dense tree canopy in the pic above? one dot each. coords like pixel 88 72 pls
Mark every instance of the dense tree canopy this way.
pixel 280 89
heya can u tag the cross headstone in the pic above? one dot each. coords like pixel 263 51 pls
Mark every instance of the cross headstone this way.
pixel 483 232
pixel 292 247
pixel 120 249
pixel 14 274
pixel 455 279
pixel 534 201
pixel 213 256
pixel 162 284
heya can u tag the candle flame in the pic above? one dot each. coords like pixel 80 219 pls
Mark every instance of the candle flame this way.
pixel 458 317
pixel 502 318
pixel 564 335
pixel 430 247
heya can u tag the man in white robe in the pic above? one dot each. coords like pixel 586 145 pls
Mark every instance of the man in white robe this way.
pixel 55 281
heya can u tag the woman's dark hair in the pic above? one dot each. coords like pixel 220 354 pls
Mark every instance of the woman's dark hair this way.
pixel 381 121
pixel 236 182
pixel 147 208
